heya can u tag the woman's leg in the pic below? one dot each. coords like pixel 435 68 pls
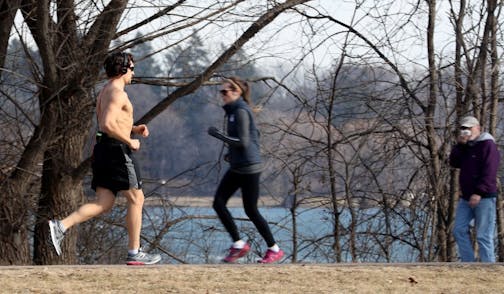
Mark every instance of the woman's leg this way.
pixel 228 185
pixel 250 196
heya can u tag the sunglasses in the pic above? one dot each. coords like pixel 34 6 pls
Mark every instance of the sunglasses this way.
pixel 225 91
pixel 465 128
pixel 132 68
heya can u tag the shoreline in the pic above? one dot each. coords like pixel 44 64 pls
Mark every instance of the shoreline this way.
pixel 206 201
pixel 264 201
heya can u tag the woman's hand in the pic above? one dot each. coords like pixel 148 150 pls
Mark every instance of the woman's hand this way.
pixel 213 131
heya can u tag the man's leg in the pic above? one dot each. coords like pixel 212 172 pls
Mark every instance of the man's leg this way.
pixel 103 203
pixel 135 199
pixel 485 228
pixel 463 217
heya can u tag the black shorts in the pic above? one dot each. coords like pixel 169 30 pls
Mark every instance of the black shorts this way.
pixel 114 166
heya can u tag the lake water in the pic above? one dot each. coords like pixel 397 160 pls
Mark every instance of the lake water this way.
pixel 199 237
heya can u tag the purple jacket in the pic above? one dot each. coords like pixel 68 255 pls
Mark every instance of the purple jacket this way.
pixel 478 162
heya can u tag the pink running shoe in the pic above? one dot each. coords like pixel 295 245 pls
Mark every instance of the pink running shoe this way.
pixel 272 256
pixel 235 253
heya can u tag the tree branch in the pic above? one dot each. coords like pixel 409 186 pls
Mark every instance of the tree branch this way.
pixel 402 80
pixel 264 20
pixel 150 19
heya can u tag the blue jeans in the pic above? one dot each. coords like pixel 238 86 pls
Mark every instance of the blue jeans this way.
pixel 484 218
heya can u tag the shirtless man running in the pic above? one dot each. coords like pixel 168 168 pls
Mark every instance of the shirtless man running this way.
pixel 114 166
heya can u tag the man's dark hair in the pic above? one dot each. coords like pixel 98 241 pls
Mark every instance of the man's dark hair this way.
pixel 117 64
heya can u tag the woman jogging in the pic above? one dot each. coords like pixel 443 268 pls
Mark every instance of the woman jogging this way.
pixel 245 160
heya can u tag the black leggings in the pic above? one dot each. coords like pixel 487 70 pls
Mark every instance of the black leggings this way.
pixel 249 184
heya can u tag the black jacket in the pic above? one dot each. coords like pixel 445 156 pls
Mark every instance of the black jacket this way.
pixel 242 135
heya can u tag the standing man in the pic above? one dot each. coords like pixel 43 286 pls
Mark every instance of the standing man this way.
pixel 114 167
pixel 477 156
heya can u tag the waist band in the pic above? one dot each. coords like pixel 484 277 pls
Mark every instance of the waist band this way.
pixel 489 195
pixel 484 195
pixel 248 169
pixel 102 137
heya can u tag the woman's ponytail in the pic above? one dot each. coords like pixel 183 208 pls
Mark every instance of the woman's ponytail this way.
pixel 245 91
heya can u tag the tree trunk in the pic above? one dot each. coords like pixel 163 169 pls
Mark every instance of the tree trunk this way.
pixel 451 253
pixel 66 113
pixel 332 176
pixel 8 9
pixel 61 191
pixel 59 196
pixel 353 217
pixel 434 162
pixel 17 201
pixel 442 233
pixel 492 126
pixel 293 211
pixel 14 248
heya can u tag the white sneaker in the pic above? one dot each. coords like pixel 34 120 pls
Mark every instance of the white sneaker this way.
pixel 56 236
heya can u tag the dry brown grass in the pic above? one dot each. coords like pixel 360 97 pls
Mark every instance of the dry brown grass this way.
pixel 283 278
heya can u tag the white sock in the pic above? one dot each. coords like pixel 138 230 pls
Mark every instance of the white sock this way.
pixel 132 251
pixel 274 248
pixel 239 244
pixel 62 227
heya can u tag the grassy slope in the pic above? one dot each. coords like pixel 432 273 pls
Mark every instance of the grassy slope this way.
pixel 285 278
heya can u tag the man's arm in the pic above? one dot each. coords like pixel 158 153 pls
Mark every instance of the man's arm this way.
pixel 488 174
pixel 491 158
pixel 456 155
pixel 140 130
pixel 458 150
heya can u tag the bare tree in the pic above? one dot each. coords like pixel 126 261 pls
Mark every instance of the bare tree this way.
pixel 387 149
pixel 72 39
pixel 420 111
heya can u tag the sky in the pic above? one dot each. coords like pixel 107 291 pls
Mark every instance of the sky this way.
pixel 289 33
pixel 411 48
pixel 289 38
